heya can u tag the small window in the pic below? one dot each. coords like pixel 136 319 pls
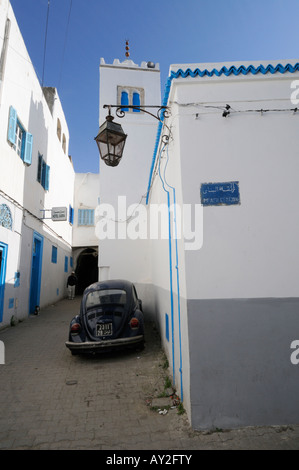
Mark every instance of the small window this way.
pixel 17 279
pixel 21 140
pixel 54 255
pixel 59 129
pixel 86 217
pixel 130 96
pixel 64 143
pixel 43 172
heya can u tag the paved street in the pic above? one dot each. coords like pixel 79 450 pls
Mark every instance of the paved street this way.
pixel 53 400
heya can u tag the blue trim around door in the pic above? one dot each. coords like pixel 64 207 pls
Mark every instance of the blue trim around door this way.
pixel 3 262
pixel 36 271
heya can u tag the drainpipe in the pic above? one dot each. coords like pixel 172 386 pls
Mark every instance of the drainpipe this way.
pixel 3 55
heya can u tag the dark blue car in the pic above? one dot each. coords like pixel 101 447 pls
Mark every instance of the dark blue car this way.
pixel 110 317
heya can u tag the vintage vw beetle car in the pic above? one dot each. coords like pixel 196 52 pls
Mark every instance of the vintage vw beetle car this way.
pixel 110 317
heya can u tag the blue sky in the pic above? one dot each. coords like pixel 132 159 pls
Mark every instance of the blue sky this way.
pixel 80 32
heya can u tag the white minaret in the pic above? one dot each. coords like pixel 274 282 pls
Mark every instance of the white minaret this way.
pixel 127 83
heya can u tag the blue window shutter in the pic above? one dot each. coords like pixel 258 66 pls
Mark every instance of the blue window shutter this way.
pixel 12 125
pixel 82 217
pixel 85 217
pixel 71 215
pixel 28 148
pixel 125 100
pixel 47 177
pixel 65 264
pixel 136 102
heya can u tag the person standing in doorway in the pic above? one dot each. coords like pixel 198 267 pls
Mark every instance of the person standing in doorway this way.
pixel 71 285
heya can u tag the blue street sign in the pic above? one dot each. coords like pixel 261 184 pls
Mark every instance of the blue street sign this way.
pixel 220 194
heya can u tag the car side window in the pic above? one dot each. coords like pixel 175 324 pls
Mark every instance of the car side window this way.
pixel 135 297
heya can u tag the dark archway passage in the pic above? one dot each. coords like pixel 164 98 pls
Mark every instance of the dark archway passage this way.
pixel 86 269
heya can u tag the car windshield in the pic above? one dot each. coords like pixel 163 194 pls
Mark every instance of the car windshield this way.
pixel 106 296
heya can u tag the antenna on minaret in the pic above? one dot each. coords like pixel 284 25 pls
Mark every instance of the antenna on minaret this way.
pixel 127 49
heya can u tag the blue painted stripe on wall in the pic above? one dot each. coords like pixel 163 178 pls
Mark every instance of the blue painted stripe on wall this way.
pixel 242 70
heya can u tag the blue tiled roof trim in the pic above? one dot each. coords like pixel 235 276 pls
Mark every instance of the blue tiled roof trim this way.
pixel 242 70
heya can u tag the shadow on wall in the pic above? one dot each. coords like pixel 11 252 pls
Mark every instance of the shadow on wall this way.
pixel 87 269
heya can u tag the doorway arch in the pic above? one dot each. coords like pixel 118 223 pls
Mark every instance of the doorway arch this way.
pixel 86 269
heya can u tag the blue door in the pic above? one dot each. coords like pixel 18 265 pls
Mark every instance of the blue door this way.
pixel 36 271
pixel 3 256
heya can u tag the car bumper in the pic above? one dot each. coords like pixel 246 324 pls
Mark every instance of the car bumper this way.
pixel 95 346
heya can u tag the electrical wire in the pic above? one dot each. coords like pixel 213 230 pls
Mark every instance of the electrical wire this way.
pixel 45 43
pixel 120 221
pixel 22 208
pixel 65 41
pixel 227 109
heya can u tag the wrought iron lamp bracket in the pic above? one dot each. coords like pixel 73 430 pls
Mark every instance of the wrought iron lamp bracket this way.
pixel 163 112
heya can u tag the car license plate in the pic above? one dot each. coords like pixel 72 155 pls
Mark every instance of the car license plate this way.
pixel 104 329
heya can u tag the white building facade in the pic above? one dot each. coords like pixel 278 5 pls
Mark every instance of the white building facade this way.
pixel 232 313
pixel 122 253
pixel 221 279
pixel 36 176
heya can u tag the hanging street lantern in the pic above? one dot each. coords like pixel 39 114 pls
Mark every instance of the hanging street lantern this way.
pixel 111 141
pixel 111 137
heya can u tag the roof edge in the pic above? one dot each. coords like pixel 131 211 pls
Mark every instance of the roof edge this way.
pixel 202 70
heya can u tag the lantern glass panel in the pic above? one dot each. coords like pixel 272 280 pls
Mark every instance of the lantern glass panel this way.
pixel 119 148
pixel 103 147
pixel 111 140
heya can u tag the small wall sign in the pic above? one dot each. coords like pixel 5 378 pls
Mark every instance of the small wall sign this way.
pixel 59 213
pixel 220 194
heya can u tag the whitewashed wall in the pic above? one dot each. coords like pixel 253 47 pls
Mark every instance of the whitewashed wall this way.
pixel 167 257
pixel 28 200
pixel 241 285
pixel 127 258
pixel 258 150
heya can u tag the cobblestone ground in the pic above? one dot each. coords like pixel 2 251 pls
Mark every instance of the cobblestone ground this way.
pixel 51 400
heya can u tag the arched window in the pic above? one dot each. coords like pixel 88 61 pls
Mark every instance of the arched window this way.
pixel 59 129
pixel 5 216
pixel 124 100
pixel 136 101
pixel 128 96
